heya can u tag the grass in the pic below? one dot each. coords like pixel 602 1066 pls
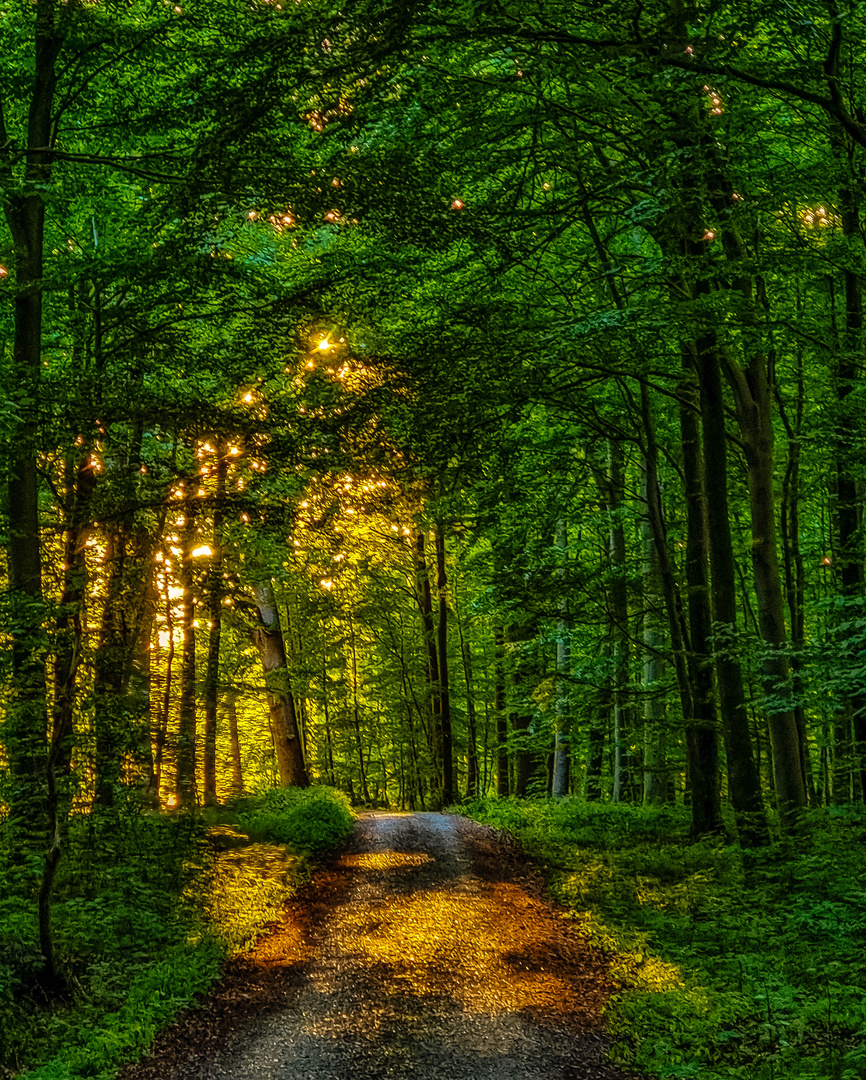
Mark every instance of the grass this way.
pixel 147 909
pixel 730 963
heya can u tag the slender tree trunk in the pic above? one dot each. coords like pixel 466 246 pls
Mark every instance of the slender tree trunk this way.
pixel 502 784
pixel 519 714
pixel 561 752
pixel 471 721
pixel 70 613
pixel 656 786
pixel 446 737
pixel 164 712
pixel 356 718
pixel 849 550
pixel 795 577
pixel 234 741
pixel 623 721
pixel 424 597
pixel 329 745
pixel 215 599
pixel 753 397
pixel 268 639
pixel 599 729
pixel 108 712
pixel 186 738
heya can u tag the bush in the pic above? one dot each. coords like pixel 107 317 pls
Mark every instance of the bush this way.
pixel 311 821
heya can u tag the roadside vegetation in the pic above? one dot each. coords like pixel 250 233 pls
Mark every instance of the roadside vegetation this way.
pixel 730 962
pixel 148 906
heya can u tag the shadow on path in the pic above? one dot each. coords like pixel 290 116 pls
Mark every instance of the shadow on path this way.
pixel 425 951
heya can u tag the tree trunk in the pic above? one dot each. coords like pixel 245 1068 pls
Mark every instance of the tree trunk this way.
pixel 186 738
pixel 743 782
pixel 752 388
pixel 235 742
pixel 472 778
pixel 71 609
pixel 502 783
pixel 424 597
pixel 795 576
pixel 164 712
pixel 599 730
pixel 215 600
pixel 623 720
pixel 268 639
pixel 356 718
pixel 656 786
pixel 561 760
pixel 702 734
pixel 445 739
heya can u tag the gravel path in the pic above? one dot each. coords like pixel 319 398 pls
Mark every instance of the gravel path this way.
pixel 422 955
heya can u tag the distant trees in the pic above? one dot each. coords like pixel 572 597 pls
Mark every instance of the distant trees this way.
pixel 445 402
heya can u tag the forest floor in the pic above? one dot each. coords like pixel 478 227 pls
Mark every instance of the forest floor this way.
pixel 426 949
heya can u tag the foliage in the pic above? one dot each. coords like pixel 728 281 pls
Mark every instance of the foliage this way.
pixel 312 821
pixel 730 963
pixel 147 909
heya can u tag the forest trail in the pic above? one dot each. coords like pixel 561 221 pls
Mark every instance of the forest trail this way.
pixel 425 951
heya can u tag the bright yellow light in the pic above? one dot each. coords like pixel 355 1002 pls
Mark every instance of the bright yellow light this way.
pixel 248 398
pixel 205 549
pixel 326 583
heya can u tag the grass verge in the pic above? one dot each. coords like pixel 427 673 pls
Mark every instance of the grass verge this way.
pixel 147 908
pixel 730 963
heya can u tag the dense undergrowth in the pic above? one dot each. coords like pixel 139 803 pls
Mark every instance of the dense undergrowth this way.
pixel 731 963
pixel 147 908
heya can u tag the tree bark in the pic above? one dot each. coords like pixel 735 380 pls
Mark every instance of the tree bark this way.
pixel 472 777
pixel 235 742
pixel 753 396
pixel 186 738
pixel 656 785
pixel 502 782
pixel 702 735
pixel 446 736
pixel 849 550
pixel 743 781
pixel 561 751
pixel 424 597
pixel 356 718
pixel 623 719
pixel 215 599
pixel 268 639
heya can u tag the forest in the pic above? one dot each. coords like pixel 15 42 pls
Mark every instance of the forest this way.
pixel 410 404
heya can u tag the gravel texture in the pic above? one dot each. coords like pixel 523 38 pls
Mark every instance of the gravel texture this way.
pixel 425 951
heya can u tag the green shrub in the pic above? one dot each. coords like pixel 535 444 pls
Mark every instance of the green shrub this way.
pixel 311 821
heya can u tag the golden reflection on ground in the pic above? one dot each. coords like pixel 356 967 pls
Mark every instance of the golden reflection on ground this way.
pixel 490 951
pixel 385 860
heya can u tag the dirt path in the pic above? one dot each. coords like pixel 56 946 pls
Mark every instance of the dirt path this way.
pixel 425 952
